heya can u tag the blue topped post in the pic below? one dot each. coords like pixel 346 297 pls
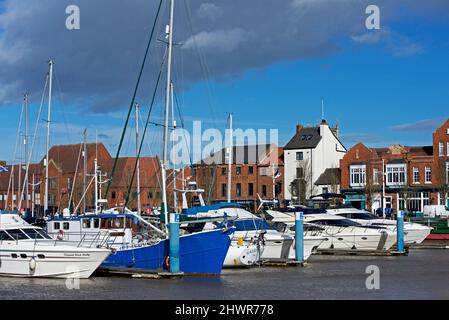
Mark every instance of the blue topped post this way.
pixel 174 243
pixel 299 236
pixel 400 231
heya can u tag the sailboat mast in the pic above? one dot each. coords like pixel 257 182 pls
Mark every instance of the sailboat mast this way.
pixel 139 209
pixel 26 152
pixel 48 136
pixel 84 168
pixel 175 198
pixel 230 156
pixel 167 105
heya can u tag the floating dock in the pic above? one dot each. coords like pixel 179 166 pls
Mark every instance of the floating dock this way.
pixel 138 273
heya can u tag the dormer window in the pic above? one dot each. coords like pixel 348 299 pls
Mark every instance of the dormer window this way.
pixel 303 137
pixel 309 137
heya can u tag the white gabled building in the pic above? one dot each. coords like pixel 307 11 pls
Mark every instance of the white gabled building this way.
pixel 307 156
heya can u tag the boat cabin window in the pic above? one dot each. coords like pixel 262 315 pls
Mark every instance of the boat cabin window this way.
pixel 66 226
pixel 115 223
pixel 33 234
pixel 86 223
pixel 364 216
pixel 16 234
pixel 4 236
pixel 96 223
pixel 56 225
pixel 337 223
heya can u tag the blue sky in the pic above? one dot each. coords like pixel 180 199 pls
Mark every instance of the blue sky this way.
pixel 382 88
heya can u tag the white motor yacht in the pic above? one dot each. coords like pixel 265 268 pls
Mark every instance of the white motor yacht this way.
pixel 28 251
pixel 340 233
pixel 276 246
pixel 414 233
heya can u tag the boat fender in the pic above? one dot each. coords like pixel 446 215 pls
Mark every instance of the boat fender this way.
pixel 240 242
pixel 167 262
pixel 32 264
pixel 60 235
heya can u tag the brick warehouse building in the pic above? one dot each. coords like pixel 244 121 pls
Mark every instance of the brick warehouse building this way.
pixel 62 167
pixel 414 176
pixel 252 174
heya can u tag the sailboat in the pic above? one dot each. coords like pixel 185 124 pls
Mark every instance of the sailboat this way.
pixel 139 244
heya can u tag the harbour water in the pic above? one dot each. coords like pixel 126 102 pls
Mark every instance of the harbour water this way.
pixel 424 274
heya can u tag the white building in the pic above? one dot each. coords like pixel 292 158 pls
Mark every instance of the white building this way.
pixel 307 156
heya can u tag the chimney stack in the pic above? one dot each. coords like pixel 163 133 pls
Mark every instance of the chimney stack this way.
pixel 299 127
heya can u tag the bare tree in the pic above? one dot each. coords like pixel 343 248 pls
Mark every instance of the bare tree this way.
pixel 370 186
pixel 443 171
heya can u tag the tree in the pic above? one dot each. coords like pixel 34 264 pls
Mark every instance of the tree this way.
pixel 370 186
pixel 443 174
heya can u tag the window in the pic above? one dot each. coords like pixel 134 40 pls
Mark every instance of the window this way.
pixel 66 226
pixel 4 236
pixel 150 195
pixel 113 195
pixel 56 225
pixel 52 183
pixel 358 175
pixel 447 149
pixel 238 171
pixel 299 156
pixel 428 175
pixel 16 234
pixel 33 234
pixel 250 170
pixel 299 173
pixel 86 223
pixel 223 171
pixel 416 175
pixel 441 149
pixel 264 191
pixel 223 190
pixel 250 189
pixel 415 201
pixel 325 190
pixel 96 223
pixel 52 199
pixel 238 189
pixel 376 176
pixel 447 172
pixel 396 175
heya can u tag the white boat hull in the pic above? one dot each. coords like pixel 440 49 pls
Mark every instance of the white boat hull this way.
pixel 350 239
pixel 242 256
pixel 50 262
pixel 311 244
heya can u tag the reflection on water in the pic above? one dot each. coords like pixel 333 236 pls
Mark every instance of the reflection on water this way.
pixel 424 274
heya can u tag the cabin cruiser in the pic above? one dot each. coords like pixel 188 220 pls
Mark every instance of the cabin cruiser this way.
pixel 275 246
pixel 340 233
pixel 28 251
pixel 414 233
pixel 141 245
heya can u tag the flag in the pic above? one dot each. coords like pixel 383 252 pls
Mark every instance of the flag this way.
pixel 3 169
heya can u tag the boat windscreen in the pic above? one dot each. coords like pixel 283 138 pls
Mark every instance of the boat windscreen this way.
pixel 337 223
pixel 5 236
pixel 17 234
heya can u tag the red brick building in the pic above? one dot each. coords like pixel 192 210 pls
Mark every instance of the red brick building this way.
pixel 65 183
pixel 252 174
pixel 412 177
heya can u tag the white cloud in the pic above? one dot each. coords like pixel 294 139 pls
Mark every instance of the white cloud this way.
pixel 224 40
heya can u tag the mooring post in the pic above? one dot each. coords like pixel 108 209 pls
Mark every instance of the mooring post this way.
pixel 174 243
pixel 299 236
pixel 400 231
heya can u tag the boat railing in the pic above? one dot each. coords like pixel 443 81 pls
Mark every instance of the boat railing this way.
pixel 100 239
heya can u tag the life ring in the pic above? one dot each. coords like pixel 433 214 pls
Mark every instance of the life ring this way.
pixel 167 262
pixel 60 235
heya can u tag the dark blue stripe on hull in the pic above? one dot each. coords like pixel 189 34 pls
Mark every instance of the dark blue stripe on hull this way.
pixel 201 253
